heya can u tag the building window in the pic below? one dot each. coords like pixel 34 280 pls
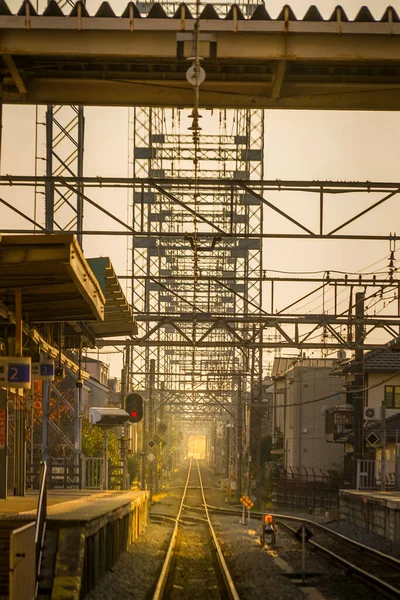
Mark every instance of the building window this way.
pixel 392 396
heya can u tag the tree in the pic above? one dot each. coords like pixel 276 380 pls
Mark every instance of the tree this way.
pixel 92 442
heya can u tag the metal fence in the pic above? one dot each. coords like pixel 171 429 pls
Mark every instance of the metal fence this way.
pixel 371 475
pixel 92 473
pixel 67 473
pixel 301 488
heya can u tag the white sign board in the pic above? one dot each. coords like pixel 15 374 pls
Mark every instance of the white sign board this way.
pixel 43 370
pixel 150 457
pixel 15 372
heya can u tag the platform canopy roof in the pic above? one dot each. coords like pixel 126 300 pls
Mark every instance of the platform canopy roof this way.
pixel 118 316
pixel 56 282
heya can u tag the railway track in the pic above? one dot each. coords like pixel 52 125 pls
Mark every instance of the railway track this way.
pixel 194 566
pixel 380 570
pixel 376 568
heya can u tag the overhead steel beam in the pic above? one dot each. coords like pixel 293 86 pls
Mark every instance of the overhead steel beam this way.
pixel 229 344
pixel 107 61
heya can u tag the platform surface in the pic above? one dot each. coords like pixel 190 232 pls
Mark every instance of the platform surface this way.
pixel 70 505
pixel 375 495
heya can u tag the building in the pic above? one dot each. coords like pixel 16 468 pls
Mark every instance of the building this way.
pixel 304 390
pixel 381 418
pixel 381 377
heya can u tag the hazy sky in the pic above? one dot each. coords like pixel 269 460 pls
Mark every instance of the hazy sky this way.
pixel 298 145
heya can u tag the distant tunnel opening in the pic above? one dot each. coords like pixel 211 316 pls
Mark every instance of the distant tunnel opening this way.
pixel 196 446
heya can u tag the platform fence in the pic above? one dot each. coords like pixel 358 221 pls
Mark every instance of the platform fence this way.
pixel 301 488
pixel 372 475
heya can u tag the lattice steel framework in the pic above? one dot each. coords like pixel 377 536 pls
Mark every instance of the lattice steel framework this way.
pixel 161 149
pixel 200 384
pixel 59 153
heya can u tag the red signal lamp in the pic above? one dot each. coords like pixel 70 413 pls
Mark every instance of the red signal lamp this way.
pixel 134 407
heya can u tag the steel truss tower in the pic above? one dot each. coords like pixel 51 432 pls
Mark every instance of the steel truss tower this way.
pixel 59 153
pixel 214 385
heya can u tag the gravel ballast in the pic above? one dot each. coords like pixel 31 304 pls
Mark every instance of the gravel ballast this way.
pixel 134 575
pixel 255 570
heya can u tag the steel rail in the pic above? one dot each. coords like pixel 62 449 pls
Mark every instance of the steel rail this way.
pixel 380 584
pixel 230 586
pixel 385 559
pixel 162 580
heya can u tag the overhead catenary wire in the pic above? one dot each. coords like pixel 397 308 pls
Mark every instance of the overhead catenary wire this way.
pixel 336 394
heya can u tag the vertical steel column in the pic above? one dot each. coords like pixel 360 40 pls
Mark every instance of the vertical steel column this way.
pixel 45 419
pixel 358 384
pixel 105 458
pixel 239 439
pixel 49 187
pixel 77 429
pixel 79 172
pixel 3 443
pixel 151 419
pixel 20 412
pixel 64 137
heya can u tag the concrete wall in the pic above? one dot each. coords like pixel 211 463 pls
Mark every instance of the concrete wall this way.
pixel 305 442
pixel 370 512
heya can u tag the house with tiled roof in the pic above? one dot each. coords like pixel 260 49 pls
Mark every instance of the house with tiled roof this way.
pixel 381 380
pixel 381 375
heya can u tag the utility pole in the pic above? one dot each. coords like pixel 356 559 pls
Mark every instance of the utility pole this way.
pixel 3 443
pixel 357 393
pixel 239 438
pixel 20 411
pixel 151 419
pixel 383 448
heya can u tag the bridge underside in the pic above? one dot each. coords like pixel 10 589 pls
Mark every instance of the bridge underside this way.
pixel 252 62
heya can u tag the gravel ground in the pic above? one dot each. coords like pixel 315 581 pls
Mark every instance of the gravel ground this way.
pixel 135 574
pixel 359 535
pixel 255 574
pixel 254 571
pixel 345 528
pixel 332 582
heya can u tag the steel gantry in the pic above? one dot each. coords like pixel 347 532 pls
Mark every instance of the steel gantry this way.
pixel 198 285
pixel 163 276
pixel 60 135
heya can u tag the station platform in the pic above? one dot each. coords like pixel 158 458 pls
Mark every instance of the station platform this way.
pixel 19 505
pixel 373 511
pixel 86 531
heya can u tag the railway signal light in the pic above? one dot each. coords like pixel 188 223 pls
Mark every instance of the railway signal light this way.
pixel 134 407
pixel 268 533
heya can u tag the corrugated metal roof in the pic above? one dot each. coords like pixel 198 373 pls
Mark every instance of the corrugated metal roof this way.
pixel 118 315
pixel 208 12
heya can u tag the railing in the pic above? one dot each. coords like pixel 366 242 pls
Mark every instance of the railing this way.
pixel 92 473
pixel 66 473
pixel 62 473
pixel 371 477
pixel 302 488
pixel 40 531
